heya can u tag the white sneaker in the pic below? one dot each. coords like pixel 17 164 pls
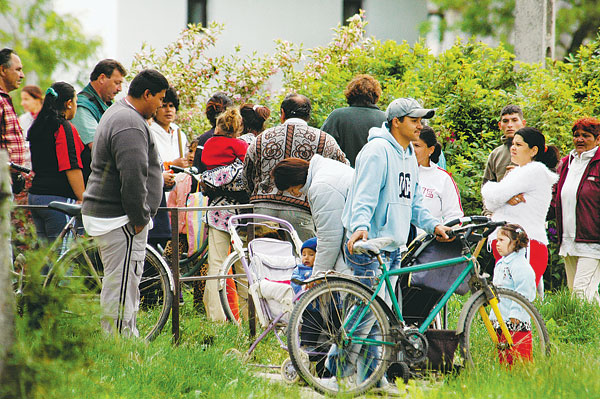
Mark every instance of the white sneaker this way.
pixel 329 384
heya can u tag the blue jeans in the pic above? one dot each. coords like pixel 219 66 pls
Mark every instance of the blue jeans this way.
pixel 48 223
pixel 366 268
pixel 358 359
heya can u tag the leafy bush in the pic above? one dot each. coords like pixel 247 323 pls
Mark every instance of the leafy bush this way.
pixel 468 84
pixel 53 330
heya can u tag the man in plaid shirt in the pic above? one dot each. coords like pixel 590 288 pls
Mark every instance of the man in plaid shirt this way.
pixel 11 136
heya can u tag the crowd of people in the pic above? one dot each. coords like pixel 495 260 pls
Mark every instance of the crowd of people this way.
pixel 366 173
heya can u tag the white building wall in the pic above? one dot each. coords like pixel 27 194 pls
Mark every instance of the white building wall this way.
pixel 254 24
pixel 156 22
pixel 395 19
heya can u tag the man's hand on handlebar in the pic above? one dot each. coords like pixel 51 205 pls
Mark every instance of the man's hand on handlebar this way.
pixel 441 233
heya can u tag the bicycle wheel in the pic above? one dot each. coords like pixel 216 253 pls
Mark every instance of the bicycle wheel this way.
pixel 233 292
pixel 82 267
pixel 477 347
pixel 324 351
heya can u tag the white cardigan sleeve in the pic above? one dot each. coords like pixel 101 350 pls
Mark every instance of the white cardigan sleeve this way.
pixel 326 205
pixel 451 207
pixel 517 181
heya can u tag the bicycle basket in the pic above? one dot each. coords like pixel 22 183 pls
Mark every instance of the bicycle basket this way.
pixel 442 346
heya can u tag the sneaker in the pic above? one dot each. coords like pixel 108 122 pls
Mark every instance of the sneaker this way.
pixel 385 387
pixel 329 384
pixel 332 384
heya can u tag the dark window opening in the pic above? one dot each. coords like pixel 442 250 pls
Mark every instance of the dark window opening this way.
pixel 351 7
pixel 197 12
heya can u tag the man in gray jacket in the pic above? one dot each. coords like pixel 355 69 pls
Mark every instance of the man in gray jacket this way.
pixel 122 195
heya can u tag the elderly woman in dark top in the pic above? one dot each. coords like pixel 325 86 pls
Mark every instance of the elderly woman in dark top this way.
pixel 577 206
pixel 350 125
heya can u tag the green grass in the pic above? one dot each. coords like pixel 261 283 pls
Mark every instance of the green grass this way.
pixel 66 355
pixel 61 352
pixel 572 370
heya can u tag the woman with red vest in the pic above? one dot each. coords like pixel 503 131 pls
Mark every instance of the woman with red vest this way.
pixel 577 206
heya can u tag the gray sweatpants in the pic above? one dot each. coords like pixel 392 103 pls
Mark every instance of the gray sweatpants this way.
pixel 122 253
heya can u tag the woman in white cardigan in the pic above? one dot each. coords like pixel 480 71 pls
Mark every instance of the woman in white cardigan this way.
pixel 325 183
pixel 523 196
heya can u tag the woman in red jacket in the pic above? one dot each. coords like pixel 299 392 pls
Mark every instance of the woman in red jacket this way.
pixel 577 203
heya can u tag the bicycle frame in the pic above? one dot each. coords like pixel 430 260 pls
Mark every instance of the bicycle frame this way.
pixel 384 279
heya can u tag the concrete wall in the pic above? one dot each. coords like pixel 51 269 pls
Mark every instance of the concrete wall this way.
pixel 156 22
pixel 254 24
pixel 395 19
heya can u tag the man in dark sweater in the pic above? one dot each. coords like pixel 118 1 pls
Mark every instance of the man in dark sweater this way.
pixel 122 195
pixel 350 126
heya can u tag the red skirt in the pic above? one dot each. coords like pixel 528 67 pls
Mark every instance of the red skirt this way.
pixel 521 350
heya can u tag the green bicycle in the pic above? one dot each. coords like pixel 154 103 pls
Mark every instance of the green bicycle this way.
pixel 343 337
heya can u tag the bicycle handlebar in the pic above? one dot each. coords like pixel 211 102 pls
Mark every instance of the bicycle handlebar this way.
pixel 19 168
pixel 472 223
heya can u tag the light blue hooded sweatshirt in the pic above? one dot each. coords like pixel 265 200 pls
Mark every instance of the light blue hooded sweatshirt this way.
pixel 384 197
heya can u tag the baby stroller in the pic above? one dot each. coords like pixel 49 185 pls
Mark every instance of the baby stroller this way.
pixel 262 276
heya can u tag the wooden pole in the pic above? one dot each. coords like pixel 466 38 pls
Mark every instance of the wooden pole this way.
pixel 7 298
pixel 175 272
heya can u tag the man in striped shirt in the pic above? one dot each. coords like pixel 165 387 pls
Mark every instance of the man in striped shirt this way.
pixel 11 136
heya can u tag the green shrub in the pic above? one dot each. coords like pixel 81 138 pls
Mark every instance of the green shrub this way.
pixel 468 84
pixel 53 328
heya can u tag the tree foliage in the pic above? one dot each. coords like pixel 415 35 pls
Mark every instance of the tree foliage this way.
pixel 45 41
pixel 576 20
pixel 468 84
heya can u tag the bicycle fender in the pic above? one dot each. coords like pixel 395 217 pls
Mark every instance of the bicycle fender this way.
pixel 388 312
pixel 154 252
pixel 228 260
pixel 466 307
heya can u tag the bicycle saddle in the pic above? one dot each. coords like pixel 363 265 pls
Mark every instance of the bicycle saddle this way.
pixel 69 209
pixel 373 246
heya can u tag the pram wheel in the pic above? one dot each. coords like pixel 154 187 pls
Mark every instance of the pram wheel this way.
pixel 398 370
pixel 288 372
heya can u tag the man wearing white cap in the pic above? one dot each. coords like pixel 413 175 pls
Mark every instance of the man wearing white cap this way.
pixel 382 202
pixel 384 199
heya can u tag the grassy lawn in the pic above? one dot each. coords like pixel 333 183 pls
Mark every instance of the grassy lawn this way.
pixel 65 355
